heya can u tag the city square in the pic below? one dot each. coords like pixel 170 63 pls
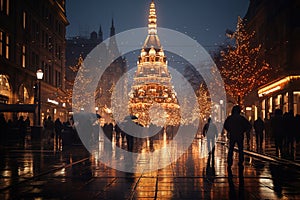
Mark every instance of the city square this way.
pixel 149 112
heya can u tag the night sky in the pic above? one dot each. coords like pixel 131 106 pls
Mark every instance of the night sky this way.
pixel 206 21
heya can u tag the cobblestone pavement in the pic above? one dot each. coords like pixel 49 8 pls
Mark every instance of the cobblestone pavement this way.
pixel 37 170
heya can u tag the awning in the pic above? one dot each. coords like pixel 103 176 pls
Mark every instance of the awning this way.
pixel 17 107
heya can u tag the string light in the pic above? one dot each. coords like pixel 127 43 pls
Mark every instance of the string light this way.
pixel 241 65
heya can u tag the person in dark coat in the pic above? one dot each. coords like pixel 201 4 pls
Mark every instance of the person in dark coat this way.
pixel 22 126
pixel 210 131
pixel 289 129
pixel 49 129
pixel 277 129
pixel 108 130
pixel 259 127
pixel 58 127
pixel 236 126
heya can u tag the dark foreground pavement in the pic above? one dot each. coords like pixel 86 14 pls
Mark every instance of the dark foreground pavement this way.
pixel 33 170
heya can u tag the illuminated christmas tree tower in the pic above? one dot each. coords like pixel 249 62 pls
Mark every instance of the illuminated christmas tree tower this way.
pixel 152 96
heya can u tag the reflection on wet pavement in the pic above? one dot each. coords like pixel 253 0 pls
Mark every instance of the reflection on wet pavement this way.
pixel 35 170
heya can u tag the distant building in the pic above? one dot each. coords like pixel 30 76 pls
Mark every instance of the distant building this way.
pixel 77 50
pixel 277 27
pixel 32 36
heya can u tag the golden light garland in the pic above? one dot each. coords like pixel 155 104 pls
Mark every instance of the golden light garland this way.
pixel 242 66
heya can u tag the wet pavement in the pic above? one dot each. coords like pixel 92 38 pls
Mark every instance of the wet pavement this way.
pixel 47 170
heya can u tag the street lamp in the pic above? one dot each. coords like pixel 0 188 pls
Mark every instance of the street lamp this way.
pixel 39 76
pixel 221 109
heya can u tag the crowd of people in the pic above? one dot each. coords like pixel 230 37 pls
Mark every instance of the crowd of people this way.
pixel 16 125
pixel 283 129
pixel 18 128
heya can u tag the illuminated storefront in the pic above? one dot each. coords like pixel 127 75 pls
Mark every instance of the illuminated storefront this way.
pixel 281 94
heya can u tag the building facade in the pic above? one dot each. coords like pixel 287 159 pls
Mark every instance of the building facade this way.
pixel 77 50
pixel 277 28
pixel 32 37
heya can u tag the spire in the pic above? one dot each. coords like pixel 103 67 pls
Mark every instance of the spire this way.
pixel 100 34
pixel 152 26
pixel 112 28
pixel 152 39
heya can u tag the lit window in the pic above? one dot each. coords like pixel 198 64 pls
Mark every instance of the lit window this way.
pixel 7 7
pixel 1 5
pixel 5 89
pixel 7 47
pixel 23 56
pixel 1 43
pixel 23 95
pixel 270 104
pixel 24 20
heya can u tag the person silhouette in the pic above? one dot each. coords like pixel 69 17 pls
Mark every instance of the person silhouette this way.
pixel 259 127
pixel 236 125
pixel 277 129
pixel 210 131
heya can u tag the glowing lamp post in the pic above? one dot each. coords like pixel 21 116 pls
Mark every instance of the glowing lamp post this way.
pixel 221 110
pixel 39 76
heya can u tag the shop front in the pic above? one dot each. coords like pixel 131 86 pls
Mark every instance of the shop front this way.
pixel 281 94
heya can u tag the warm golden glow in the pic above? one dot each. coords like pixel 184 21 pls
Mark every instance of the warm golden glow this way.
pixel 276 85
pixel 152 82
pixel 241 66
pixel 270 91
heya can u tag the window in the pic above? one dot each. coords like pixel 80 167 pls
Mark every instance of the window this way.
pixel 46 72
pixel 35 59
pixel 296 102
pixel 263 109
pixel 24 20
pixel 1 5
pixel 286 102
pixel 57 79
pixel 5 89
pixel 7 7
pixel 270 104
pixel 59 53
pixel 23 56
pixel 1 43
pixel 51 81
pixel 7 47
pixel 278 102
pixel 23 95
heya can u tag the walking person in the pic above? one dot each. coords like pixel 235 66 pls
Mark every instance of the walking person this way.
pixel 236 125
pixel 259 127
pixel 210 131
pixel 49 129
pixel 277 128
pixel 58 128
pixel 289 129
pixel 22 127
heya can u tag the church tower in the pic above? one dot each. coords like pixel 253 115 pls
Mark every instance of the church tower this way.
pixel 112 28
pixel 152 86
pixel 100 34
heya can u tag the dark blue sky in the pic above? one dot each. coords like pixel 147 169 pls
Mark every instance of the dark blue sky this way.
pixel 203 20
